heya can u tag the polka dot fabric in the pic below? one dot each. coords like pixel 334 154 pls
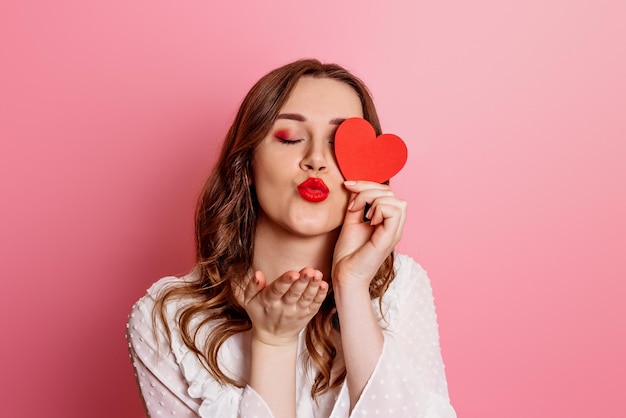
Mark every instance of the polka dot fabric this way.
pixel 408 380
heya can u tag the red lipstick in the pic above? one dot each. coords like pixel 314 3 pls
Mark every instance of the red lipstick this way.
pixel 313 190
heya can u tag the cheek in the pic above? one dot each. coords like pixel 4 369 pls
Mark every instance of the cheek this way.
pixel 343 199
pixel 345 196
pixel 269 180
pixel 261 169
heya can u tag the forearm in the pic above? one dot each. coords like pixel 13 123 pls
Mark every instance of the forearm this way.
pixel 361 337
pixel 273 375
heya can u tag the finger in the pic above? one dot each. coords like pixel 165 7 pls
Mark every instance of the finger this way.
pixel 367 197
pixel 353 216
pixel 322 292
pixel 388 222
pixel 281 286
pixel 390 216
pixel 293 295
pixel 386 207
pixel 311 290
pixel 254 286
pixel 359 186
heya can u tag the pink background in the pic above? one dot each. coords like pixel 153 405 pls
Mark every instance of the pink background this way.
pixel 515 117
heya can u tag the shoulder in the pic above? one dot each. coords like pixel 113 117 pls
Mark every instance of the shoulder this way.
pixel 142 312
pixel 409 274
pixel 167 356
pixel 154 293
pixel 404 262
pixel 410 287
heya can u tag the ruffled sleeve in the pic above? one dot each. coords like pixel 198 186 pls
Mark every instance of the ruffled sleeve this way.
pixel 409 378
pixel 172 381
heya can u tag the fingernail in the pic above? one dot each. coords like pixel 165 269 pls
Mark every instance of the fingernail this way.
pixel 351 205
pixel 368 215
pixel 350 183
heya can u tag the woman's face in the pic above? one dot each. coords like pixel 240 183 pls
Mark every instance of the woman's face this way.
pixel 297 180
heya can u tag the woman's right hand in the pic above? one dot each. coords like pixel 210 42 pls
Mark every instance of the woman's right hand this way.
pixel 280 310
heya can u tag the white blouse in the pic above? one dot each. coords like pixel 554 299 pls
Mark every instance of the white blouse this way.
pixel 408 380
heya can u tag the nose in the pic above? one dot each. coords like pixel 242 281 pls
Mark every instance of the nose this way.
pixel 315 158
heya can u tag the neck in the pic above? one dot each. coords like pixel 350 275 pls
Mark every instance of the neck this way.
pixel 277 251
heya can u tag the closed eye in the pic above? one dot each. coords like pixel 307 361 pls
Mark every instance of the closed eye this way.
pixel 288 141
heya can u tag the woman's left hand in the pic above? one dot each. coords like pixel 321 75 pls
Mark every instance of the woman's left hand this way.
pixel 363 246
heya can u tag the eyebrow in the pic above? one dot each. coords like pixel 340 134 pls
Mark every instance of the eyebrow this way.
pixel 336 121
pixel 300 118
pixel 291 116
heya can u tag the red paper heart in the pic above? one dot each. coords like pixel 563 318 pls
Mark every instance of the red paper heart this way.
pixel 363 156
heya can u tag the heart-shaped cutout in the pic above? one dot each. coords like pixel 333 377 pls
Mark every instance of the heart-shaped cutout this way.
pixel 362 155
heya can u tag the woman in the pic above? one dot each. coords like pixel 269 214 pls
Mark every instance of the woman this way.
pixel 297 305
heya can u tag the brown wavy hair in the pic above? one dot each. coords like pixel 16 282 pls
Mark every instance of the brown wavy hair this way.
pixel 224 232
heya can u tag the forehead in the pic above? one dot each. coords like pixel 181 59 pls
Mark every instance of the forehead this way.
pixel 323 97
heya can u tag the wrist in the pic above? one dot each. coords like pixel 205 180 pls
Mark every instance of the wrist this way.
pixel 350 279
pixel 267 339
pixel 350 286
pixel 351 296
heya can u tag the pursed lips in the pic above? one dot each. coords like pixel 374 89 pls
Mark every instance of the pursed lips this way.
pixel 313 189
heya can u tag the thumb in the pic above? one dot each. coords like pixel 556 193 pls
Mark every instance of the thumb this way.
pixel 353 216
pixel 255 285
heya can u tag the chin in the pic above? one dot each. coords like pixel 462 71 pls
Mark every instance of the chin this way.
pixel 314 229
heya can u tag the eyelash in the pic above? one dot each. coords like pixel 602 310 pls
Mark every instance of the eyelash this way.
pixel 288 141
pixel 295 141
